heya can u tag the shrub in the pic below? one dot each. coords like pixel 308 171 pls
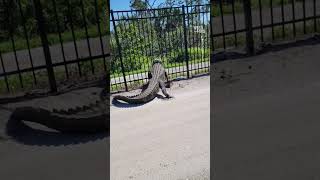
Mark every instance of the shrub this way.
pixel 194 53
pixel 130 63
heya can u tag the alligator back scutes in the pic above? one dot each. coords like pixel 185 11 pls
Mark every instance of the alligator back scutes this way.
pixel 157 73
pixel 78 109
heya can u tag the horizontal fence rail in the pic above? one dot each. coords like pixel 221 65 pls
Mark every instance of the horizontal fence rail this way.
pixel 52 44
pixel 180 36
pixel 247 23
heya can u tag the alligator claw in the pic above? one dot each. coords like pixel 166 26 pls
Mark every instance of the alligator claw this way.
pixel 170 97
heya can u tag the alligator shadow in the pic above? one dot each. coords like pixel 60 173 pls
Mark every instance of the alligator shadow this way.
pixel 22 133
pixel 121 104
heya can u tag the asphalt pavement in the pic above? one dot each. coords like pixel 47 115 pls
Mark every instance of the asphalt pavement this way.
pixel 266 117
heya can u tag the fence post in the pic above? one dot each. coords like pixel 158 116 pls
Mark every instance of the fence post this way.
pixel 45 44
pixel 186 53
pixel 119 49
pixel 211 28
pixel 248 24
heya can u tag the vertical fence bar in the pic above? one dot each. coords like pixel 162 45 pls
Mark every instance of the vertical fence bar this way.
pixel 315 15
pixel 166 46
pixel 9 20
pixel 191 37
pixel 132 76
pixel 139 23
pixel 147 32
pixel 282 18
pixel 70 19
pixel 294 18
pixel 208 39
pixel 45 45
pixel 87 35
pixel 186 55
pixel 261 21
pixel 304 16
pixel 198 17
pixel 178 33
pixel 222 24
pixel 248 24
pixel 172 50
pixel 27 40
pixel 119 49
pixel 272 19
pixel 4 72
pixel 211 29
pixel 60 37
pixel 100 33
pixel 150 25
pixel 234 24
pixel 202 42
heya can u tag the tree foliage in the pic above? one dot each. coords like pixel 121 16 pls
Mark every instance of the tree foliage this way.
pixel 147 34
pixel 66 11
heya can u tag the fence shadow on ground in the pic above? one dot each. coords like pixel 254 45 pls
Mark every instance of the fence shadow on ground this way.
pixel 265 48
pixel 24 134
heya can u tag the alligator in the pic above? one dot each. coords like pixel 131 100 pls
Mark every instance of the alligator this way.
pixel 157 76
pixel 90 118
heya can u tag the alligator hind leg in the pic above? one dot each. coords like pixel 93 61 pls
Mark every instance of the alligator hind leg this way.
pixel 144 86
pixel 163 89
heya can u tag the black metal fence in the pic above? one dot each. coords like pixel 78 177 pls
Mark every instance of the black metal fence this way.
pixel 180 36
pixel 246 23
pixel 52 43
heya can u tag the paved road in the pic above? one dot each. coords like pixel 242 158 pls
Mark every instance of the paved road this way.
pixel 164 139
pixel 56 53
pixel 266 18
pixel 49 155
pixel 266 120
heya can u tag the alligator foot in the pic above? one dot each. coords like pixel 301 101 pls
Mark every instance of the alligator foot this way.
pixel 170 97
pixel 167 98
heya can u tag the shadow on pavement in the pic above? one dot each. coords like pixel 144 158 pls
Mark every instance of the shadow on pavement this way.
pixel 264 48
pixel 121 104
pixel 24 134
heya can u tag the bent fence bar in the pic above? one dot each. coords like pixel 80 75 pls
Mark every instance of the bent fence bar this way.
pixel 246 23
pixel 180 36
pixel 51 44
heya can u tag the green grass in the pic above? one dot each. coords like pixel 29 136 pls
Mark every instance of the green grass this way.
pixel 35 41
pixel 167 65
pixel 42 78
pixel 27 81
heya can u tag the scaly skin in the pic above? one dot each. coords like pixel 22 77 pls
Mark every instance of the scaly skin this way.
pixel 88 119
pixel 157 81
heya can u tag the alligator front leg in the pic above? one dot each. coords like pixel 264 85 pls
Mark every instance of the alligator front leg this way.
pixel 163 89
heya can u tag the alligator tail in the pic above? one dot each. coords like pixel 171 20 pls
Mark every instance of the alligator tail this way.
pixel 127 99
pixel 88 122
